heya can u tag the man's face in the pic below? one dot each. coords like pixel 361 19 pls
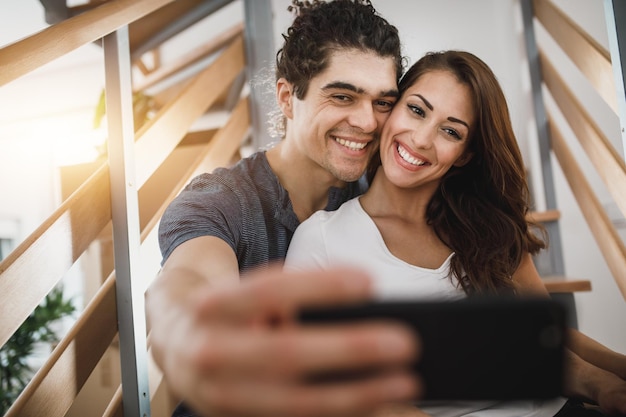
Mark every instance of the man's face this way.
pixel 338 123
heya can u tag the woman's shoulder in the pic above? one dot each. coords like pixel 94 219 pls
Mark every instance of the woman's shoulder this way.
pixel 346 211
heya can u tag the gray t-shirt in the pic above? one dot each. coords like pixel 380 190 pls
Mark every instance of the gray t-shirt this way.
pixel 245 206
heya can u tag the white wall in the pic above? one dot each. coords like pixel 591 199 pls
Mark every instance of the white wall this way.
pixel 602 312
pixel 492 30
pixel 42 113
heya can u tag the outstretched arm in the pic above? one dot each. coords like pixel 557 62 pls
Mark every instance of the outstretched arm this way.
pixel 593 384
pixel 234 348
pixel 593 352
pixel 594 373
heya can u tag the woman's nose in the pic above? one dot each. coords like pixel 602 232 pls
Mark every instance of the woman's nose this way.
pixel 423 136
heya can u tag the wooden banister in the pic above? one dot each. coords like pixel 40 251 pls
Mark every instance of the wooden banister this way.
pixel 154 194
pixel 54 387
pixel 164 146
pixel 593 60
pixel 141 32
pixel 203 51
pixel 228 140
pixel 217 153
pixel 33 52
pixel 544 216
pixel 158 138
pixel 66 234
pixel 86 212
pixel 606 160
pixel 157 386
pixel 203 158
pixel 560 284
pixel 114 408
pixel 79 351
pixel 606 236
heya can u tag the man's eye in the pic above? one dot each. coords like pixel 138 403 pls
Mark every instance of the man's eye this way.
pixel 341 97
pixel 384 104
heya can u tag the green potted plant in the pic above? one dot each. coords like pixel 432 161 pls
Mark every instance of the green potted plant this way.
pixel 37 328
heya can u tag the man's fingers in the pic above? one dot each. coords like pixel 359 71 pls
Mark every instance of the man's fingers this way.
pixel 277 295
pixel 298 352
pixel 253 358
pixel 346 398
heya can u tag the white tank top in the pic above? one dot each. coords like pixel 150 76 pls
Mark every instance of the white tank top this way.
pixel 348 236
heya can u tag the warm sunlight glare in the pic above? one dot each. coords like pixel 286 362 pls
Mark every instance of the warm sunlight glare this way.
pixel 71 137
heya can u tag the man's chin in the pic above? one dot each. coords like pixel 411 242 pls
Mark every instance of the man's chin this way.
pixel 349 175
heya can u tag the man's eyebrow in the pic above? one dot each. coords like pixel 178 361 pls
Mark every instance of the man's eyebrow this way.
pixel 390 93
pixel 347 86
pixel 343 86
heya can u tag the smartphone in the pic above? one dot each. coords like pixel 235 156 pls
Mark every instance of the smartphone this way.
pixel 479 348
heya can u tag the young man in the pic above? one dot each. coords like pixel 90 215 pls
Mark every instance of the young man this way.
pixel 224 333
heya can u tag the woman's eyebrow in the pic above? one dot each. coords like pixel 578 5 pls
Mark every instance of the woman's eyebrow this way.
pixel 452 119
pixel 426 102
pixel 455 120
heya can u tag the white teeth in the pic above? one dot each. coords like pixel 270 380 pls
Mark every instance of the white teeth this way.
pixel 410 159
pixel 355 146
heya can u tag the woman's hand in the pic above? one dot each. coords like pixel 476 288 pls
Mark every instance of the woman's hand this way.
pixel 611 396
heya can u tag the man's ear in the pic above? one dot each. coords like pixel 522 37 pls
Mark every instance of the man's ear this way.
pixel 464 159
pixel 284 97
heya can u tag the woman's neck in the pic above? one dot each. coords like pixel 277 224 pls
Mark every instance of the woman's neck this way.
pixel 400 216
pixel 386 199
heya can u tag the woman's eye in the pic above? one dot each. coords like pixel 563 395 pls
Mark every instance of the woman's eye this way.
pixel 416 109
pixel 453 133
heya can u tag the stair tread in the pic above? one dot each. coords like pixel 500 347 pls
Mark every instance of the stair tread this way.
pixel 560 284
pixel 544 216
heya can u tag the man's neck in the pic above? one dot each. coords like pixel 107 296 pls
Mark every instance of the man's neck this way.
pixel 306 182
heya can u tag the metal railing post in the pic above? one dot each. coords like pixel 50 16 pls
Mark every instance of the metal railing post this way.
pixel 543 135
pixel 259 37
pixel 126 230
pixel 550 261
pixel 615 11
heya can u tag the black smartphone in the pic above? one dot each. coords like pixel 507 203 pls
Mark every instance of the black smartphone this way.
pixel 479 348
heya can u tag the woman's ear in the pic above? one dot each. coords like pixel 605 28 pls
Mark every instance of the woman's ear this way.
pixel 464 159
pixel 284 97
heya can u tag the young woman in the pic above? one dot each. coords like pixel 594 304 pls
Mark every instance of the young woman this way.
pixel 445 217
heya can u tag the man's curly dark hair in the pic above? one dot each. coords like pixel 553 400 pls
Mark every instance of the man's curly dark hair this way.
pixel 321 27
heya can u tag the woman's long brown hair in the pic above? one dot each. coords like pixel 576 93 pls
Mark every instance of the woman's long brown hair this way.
pixel 480 209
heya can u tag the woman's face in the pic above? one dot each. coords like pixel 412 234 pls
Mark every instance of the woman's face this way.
pixel 428 131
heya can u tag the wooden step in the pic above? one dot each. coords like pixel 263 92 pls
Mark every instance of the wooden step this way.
pixel 544 216
pixel 561 284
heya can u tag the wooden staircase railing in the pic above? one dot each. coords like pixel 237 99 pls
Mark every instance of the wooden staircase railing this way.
pixel 594 62
pixel 167 155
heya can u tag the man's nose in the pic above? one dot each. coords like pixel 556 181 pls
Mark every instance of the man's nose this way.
pixel 364 118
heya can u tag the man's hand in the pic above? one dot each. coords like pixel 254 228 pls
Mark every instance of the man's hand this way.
pixel 238 350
